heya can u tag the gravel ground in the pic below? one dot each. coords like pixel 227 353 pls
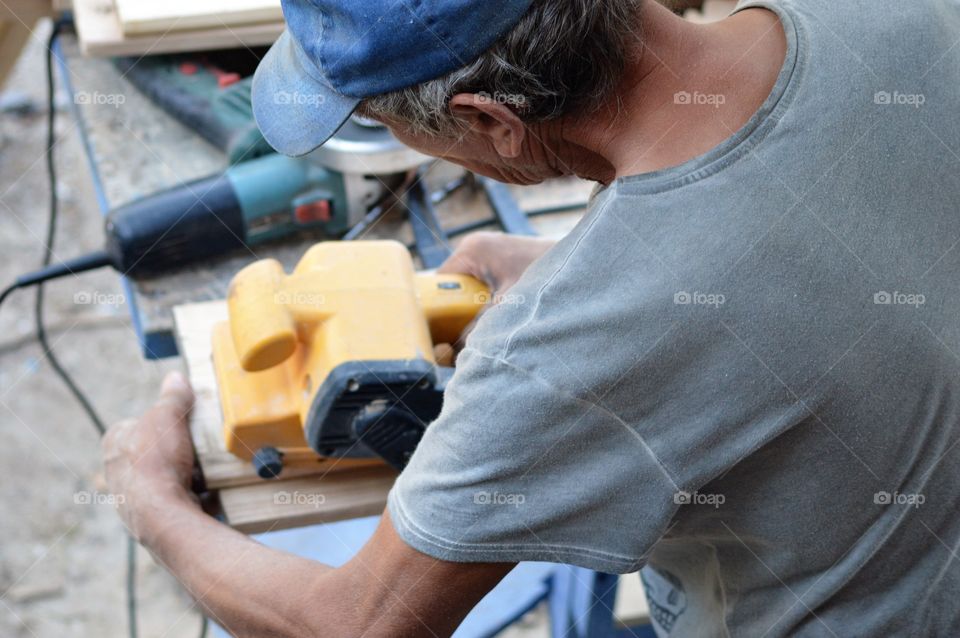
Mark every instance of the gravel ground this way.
pixel 62 554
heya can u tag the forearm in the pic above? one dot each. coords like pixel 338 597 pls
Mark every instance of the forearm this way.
pixel 387 589
pixel 246 587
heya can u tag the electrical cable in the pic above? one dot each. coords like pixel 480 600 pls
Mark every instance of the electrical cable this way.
pixel 48 248
pixel 6 292
pixel 73 266
pixel 131 582
pixel 48 272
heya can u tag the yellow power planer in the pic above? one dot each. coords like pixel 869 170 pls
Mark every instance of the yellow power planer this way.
pixel 337 358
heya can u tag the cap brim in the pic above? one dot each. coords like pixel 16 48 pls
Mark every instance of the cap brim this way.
pixel 295 111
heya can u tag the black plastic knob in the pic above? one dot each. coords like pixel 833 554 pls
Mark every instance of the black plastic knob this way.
pixel 268 462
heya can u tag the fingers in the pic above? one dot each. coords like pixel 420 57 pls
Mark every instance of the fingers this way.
pixel 466 258
pixel 459 263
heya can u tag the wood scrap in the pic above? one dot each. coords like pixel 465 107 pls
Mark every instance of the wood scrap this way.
pixel 100 33
pixel 138 17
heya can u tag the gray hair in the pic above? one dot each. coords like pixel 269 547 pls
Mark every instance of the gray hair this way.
pixel 564 56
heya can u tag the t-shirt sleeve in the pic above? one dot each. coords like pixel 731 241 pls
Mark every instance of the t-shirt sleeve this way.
pixel 517 470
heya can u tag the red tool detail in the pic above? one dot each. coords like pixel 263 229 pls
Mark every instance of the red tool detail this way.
pixel 318 211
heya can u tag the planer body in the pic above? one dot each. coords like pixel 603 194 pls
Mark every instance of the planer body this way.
pixel 337 358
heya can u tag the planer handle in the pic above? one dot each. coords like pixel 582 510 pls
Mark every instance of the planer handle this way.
pixel 264 332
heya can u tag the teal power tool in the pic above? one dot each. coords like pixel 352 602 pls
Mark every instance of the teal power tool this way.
pixel 329 190
pixel 262 196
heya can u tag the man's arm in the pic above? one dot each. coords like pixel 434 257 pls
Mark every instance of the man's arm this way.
pixel 387 589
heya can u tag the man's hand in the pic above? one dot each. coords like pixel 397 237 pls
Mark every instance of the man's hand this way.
pixel 496 259
pixel 388 589
pixel 149 461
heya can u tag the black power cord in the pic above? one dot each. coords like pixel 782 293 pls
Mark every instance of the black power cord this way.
pixel 50 271
pixel 47 350
pixel 48 248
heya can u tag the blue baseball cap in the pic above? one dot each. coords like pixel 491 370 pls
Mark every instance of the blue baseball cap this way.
pixel 335 53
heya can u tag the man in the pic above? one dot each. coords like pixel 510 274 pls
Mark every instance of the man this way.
pixel 738 372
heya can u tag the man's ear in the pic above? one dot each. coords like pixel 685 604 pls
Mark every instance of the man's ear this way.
pixel 493 119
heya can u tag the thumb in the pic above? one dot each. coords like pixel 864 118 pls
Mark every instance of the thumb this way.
pixel 176 394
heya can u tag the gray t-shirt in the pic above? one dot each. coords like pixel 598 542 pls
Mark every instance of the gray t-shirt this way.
pixel 743 373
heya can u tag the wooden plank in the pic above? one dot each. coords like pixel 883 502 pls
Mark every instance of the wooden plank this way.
pixel 137 16
pixel 98 27
pixel 276 505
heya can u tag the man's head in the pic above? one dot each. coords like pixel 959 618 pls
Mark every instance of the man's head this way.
pixel 489 81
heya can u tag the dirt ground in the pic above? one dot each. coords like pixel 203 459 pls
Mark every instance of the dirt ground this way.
pixel 62 548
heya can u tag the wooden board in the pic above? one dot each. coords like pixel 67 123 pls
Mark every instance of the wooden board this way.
pixel 137 16
pixel 101 34
pixel 321 491
pixel 276 505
